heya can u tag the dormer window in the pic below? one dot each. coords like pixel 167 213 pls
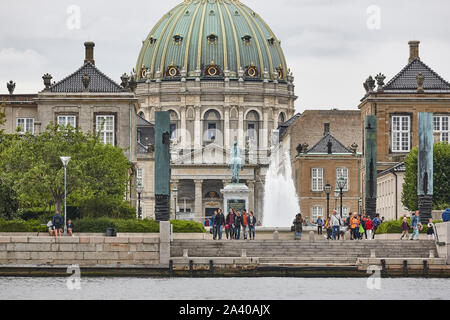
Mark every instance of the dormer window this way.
pixel 187 13
pixel 152 40
pixel 251 71
pixel 212 13
pixel 172 71
pixel 177 39
pixel 271 41
pixel 280 73
pixel 236 13
pixel 212 70
pixel 212 39
pixel 247 39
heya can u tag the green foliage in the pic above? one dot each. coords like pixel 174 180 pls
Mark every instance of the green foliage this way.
pixel 99 225
pixel 32 164
pixel 441 177
pixel 8 201
pixel 104 206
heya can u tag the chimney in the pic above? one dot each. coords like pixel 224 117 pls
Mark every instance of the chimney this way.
pixel 89 52
pixel 326 128
pixel 413 50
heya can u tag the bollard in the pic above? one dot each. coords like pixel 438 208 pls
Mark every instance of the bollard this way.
pixel 191 267
pixel 311 236
pixel 383 268
pixel 171 267
pixel 186 253
pixel 211 267
pixel 405 268
pixel 425 268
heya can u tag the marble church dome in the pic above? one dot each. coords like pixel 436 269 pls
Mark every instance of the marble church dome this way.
pixel 211 39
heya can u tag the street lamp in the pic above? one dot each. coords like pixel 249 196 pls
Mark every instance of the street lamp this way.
pixel 139 189
pixel 360 205
pixel 341 183
pixel 175 195
pixel 328 189
pixel 65 161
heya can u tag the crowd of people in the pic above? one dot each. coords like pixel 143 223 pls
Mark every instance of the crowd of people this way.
pixel 233 224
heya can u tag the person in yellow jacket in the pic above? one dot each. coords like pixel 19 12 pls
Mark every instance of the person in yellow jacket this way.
pixel 354 225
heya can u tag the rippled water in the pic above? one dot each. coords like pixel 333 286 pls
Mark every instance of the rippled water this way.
pixel 222 289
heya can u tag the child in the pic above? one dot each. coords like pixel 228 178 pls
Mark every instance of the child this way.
pixel 430 231
pixel 70 228
pixel 405 228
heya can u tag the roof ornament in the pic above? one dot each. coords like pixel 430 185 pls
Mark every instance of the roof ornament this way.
pixel 305 147
pixel 86 79
pixel 380 81
pixel 420 80
pixel 133 83
pixel 11 86
pixel 47 81
pixel 369 85
pixel 125 78
pixel 353 147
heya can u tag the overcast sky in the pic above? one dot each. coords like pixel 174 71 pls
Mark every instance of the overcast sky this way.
pixel 331 46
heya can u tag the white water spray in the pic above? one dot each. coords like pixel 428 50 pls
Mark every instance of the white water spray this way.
pixel 280 197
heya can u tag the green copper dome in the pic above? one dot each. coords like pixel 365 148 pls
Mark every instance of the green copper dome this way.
pixel 211 39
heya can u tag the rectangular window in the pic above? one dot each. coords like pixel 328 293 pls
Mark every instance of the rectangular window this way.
pixel 105 129
pixel 401 131
pixel 441 126
pixel 211 131
pixel 344 212
pixel 317 179
pixel 251 131
pixel 67 120
pixel 343 172
pixel 317 211
pixel 25 125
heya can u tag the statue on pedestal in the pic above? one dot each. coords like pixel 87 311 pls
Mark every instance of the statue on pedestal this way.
pixel 235 163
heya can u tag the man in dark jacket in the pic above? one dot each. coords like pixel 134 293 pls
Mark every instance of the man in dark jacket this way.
pixel 252 225
pixel 237 225
pixel 219 222
pixel 57 222
pixel 230 222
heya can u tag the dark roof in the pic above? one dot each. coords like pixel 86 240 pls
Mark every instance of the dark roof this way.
pixel 141 122
pixel 99 81
pixel 399 167
pixel 405 81
pixel 322 146
pixel 285 126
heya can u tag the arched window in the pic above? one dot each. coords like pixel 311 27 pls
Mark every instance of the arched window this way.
pixel 281 118
pixel 252 126
pixel 173 124
pixel 211 125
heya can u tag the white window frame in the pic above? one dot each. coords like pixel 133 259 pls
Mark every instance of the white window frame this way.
pixel 104 131
pixel 140 176
pixel 24 125
pixel 339 172
pixel 317 179
pixel 316 212
pixel 444 131
pixel 399 133
pixel 344 210
pixel 66 122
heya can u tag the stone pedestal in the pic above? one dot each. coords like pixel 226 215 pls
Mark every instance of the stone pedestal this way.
pixel 235 196
pixel 425 208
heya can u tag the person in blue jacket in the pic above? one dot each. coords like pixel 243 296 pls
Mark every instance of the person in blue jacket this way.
pixel 446 215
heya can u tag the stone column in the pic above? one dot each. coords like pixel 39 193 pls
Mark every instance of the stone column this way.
pixel 226 129
pixel 199 214
pixel 183 127
pixel 251 197
pixel 198 135
pixel 241 135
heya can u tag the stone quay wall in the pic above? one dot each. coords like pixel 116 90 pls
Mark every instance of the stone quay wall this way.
pixel 83 251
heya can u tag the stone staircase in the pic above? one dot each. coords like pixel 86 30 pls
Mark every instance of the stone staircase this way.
pixel 282 252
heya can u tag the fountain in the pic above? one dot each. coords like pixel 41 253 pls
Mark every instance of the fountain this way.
pixel 280 197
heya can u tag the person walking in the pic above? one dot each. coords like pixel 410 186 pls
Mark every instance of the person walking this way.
pixel 376 222
pixel 244 223
pixel 354 225
pixel 213 225
pixel 298 226
pixel 319 223
pixel 219 222
pixel 336 226
pixel 237 225
pixel 369 229
pixel 430 231
pixel 415 221
pixel 230 222
pixel 405 229
pixel 251 225
pixel 329 228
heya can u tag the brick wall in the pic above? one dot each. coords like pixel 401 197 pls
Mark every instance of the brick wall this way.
pixel 84 251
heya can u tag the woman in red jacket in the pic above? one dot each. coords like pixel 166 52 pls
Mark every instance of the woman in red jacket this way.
pixel 369 228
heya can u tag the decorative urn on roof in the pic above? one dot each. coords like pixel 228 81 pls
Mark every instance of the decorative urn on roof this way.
pixel 47 81
pixel 86 79
pixel 420 80
pixel 11 86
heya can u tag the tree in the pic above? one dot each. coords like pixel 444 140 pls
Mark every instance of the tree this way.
pixel 441 178
pixel 33 164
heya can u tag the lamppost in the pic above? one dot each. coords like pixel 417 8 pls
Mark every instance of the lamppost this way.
pixel 139 189
pixel 65 161
pixel 341 183
pixel 175 195
pixel 328 189
pixel 360 205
